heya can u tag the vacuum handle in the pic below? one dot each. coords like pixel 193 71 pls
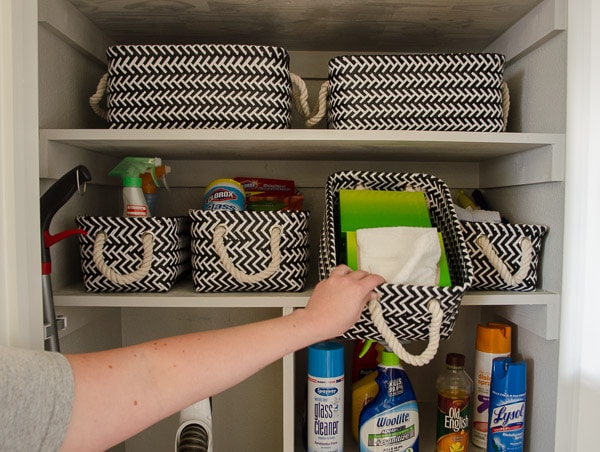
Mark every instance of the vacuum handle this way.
pixel 56 197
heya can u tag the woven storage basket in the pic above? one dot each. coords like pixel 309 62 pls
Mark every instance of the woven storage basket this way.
pixel 249 251
pixel 196 86
pixel 405 308
pixel 133 254
pixel 441 92
pixel 504 256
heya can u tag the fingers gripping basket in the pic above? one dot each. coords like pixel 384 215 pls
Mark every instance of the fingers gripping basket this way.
pixel 249 251
pixel 133 254
pixel 504 256
pixel 405 312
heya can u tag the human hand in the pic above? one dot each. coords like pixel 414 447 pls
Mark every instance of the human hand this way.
pixel 337 302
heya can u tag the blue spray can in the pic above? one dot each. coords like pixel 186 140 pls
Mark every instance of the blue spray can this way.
pixel 506 426
pixel 325 397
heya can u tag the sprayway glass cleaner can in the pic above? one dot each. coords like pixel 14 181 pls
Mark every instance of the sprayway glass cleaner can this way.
pixel 325 404
pixel 224 194
pixel 506 425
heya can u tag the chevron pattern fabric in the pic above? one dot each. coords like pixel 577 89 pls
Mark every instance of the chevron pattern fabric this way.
pixel 198 86
pixel 506 239
pixel 123 251
pixel 248 245
pixel 442 92
pixel 404 306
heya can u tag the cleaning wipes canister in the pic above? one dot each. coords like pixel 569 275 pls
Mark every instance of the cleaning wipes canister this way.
pixel 325 402
pixel 224 194
pixel 390 422
pixel 506 428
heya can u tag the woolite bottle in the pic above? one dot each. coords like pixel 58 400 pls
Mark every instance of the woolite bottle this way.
pixel 325 407
pixel 390 422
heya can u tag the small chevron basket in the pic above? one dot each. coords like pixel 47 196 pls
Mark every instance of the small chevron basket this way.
pixel 196 86
pixel 133 254
pixel 504 256
pixel 405 308
pixel 249 251
pixel 435 92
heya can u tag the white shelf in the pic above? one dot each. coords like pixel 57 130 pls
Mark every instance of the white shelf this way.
pixel 503 158
pixel 536 311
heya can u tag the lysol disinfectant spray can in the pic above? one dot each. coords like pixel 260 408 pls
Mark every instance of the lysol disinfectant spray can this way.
pixel 506 431
pixel 325 404
pixel 493 341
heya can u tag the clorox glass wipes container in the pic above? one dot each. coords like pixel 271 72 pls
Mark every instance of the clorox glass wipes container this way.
pixel 325 404
pixel 224 194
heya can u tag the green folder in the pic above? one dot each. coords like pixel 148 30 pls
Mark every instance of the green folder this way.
pixel 361 209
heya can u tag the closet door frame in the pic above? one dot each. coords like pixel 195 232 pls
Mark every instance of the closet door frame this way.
pixel 21 319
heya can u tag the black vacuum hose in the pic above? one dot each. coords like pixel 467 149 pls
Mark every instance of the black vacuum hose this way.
pixel 193 438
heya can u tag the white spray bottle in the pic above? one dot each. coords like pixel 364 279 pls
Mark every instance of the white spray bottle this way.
pixel 390 422
pixel 130 170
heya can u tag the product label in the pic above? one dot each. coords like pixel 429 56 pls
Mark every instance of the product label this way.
pixel 224 198
pixel 396 429
pixel 483 377
pixel 134 210
pixel 326 414
pixel 507 426
pixel 453 424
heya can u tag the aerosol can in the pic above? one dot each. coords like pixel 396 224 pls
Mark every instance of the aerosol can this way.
pixel 195 428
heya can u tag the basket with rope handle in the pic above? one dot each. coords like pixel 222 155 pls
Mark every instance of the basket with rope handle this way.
pixel 249 251
pixel 434 92
pixel 404 312
pixel 504 256
pixel 131 254
pixel 200 86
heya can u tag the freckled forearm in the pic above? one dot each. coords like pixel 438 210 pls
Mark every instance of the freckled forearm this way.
pixel 133 387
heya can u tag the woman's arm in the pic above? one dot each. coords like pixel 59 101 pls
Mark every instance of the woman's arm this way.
pixel 122 391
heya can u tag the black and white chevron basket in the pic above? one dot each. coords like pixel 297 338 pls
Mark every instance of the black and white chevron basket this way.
pixel 133 254
pixel 249 251
pixel 436 92
pixel 404 307
pixel 196 86
pixel 504 256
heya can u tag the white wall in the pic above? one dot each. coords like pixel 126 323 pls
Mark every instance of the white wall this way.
pixel 579 366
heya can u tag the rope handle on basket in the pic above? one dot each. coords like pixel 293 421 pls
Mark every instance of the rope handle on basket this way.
pixel 505 105
pixel 433 306
pixel 110 273
pixel 527 253
pixel 300 96
pixel 97 97
pixel 241 276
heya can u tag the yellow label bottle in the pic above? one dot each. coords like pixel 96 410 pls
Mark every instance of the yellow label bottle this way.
pixel 363 391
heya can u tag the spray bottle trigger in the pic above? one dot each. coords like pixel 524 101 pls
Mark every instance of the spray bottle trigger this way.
pixel 366 347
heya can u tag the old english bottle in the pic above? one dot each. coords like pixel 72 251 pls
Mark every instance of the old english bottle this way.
pixel 454 388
